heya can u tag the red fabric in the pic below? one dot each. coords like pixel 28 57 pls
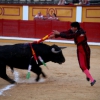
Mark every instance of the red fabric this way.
pixel 83 54
pixel 80 39
pixel 83 50
pixel 88 75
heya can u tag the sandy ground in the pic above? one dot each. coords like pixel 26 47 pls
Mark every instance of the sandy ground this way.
pixel 63 82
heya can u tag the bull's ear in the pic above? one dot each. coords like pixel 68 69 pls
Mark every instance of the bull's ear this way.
pixel 62 47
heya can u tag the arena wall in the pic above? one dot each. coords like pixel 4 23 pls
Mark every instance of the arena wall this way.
pixel 40 28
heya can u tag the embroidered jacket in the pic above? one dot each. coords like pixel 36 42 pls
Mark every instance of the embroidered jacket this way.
pixel 79 36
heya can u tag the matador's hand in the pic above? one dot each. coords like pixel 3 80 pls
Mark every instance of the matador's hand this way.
pixel 54 32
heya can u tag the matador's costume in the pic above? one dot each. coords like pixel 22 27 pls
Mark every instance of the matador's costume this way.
pixel 83 50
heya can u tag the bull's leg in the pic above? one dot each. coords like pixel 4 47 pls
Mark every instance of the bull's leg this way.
pixel 43 74
pixel 4 75
pixel 38 77
pixel 39 73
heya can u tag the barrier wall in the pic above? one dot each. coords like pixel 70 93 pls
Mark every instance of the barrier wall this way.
pixel 11 12
pixel 40 28
pixel 91 14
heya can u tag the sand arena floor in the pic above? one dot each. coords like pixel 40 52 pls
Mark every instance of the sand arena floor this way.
pixel 63 82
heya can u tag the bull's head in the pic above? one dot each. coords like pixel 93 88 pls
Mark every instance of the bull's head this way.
pixel 57 55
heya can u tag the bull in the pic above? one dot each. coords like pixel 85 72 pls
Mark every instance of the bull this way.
pixel 19 55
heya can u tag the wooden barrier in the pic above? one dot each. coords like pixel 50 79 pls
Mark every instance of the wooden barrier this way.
pixel 27 29
pixel 93 31
pixel 39 28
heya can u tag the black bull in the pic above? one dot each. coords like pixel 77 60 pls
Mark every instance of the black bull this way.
pixel 19 55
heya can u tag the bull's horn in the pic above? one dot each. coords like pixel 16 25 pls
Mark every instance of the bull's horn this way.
pixel 62 47
pixel 54 51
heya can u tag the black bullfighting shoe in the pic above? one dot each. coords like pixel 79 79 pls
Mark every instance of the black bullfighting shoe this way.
pixel 87 79
pixel 92 83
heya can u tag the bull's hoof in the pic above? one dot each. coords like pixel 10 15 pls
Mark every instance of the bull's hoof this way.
pixel 37 79
pixel 12 82
pixel 44 75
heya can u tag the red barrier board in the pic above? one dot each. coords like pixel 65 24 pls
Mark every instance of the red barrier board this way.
pixel 60 25
pixel 10 28
pixel 1 26
pixel 40 28
pixel 27 29
pixel 92 31
pixel 43 27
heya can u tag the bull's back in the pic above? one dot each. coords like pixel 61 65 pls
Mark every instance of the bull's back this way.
pixel 8 51
pixel 22 50
pixel 41 48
